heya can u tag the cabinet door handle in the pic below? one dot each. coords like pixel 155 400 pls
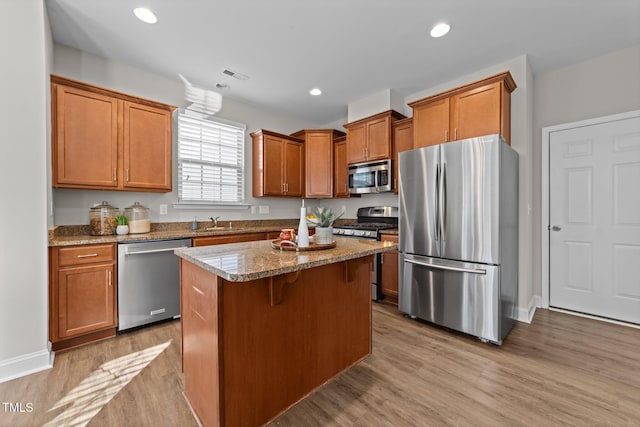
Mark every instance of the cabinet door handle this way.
pixel 446 135
pixel 109 278
pixel 455 134
pixel 114 174
pixel 381 258
pixel 126 175
pixel 86 256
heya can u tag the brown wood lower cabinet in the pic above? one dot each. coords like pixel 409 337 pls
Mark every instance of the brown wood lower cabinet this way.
pixel 232 238
pixel 253 349
pixel 389 271
pixel 82 294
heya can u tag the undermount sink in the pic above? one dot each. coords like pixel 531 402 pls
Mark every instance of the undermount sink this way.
pixel 215 228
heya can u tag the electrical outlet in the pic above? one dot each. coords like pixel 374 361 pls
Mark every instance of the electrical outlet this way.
pixel 263 209
pixel 253 210
pixel 163 209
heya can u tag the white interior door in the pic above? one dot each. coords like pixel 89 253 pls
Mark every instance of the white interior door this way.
pixel 594 212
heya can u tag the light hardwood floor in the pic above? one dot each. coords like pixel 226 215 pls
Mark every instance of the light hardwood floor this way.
pixel 560 370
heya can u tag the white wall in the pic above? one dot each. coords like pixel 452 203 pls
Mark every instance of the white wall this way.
pixel 601 86
pixel 72 206
pixel 378 102
pixel 24 42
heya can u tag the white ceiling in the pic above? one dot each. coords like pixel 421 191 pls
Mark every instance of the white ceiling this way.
pixel 349 48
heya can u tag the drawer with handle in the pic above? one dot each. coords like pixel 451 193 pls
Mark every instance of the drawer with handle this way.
pixel 86 254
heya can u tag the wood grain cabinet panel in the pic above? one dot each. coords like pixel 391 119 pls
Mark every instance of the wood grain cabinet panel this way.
pixel 389 271
pixel 86 300
pixel 85 152
pixel 278 164
pixel 234 238
pixel 369 139
pixel 477 109
pixel 432 121
pixel 402 141
pixel 106 140
pixel 82 294
pixel 293 168
pixel 147 147
pixel 319 161
pixel 340 171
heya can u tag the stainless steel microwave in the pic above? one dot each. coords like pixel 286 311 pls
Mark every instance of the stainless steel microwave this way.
pixel 371 177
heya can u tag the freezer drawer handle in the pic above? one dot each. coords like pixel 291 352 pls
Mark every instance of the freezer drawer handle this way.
pixel 444 267
pixel 152 251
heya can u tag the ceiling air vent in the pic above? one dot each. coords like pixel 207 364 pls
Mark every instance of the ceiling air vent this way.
pixel 235 75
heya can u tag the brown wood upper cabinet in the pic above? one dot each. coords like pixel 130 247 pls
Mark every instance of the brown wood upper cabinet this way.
pixel 278 164
pixel 370 138
pixel 402 141
pixel 476 109
pixel 340 171
pixel 106 140
pixel 319 161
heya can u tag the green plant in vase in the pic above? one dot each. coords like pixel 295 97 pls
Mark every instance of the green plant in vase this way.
pixel 123 225
pixel 322 219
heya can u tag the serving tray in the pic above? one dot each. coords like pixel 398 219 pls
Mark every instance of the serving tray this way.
pixel 290 246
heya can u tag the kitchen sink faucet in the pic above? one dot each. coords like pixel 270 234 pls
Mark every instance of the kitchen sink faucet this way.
pixel 214 221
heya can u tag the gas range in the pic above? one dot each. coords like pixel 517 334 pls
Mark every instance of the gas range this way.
pixel 369 223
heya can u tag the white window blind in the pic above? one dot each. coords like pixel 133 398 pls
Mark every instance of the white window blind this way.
pixel 210 160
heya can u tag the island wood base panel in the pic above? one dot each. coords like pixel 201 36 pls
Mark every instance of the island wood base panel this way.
pixel 253 349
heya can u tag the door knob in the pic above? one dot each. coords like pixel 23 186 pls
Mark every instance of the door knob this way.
pixel 556 228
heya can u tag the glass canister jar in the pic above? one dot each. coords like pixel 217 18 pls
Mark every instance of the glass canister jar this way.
pixel 102 219
pixel 138 217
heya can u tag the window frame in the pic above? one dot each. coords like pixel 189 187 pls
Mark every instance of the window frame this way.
pixel 212 122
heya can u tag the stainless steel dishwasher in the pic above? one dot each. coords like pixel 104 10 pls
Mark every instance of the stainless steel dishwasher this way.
pixel 148 282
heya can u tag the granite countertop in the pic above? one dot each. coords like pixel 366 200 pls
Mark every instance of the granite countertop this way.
pixel 240 262
pixel 79 234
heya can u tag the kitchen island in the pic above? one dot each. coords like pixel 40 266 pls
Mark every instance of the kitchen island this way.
pixel 263 328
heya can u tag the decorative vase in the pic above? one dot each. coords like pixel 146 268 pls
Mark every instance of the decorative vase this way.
pixel 324 235
pixel 121 230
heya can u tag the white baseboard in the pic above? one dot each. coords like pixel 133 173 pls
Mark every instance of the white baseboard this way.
pixel 526 314
pixel 26 364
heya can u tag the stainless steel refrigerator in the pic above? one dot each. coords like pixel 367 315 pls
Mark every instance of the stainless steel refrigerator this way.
pixel 458 236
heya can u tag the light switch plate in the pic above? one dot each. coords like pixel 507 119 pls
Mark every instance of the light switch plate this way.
pixel 253 210
pixel 163 209
pixel 263 209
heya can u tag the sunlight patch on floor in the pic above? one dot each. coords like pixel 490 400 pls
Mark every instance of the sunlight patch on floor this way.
pixel 95 391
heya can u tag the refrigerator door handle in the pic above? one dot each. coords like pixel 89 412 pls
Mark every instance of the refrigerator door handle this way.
pixel 437 202
pixel 443 202
pixel 446 267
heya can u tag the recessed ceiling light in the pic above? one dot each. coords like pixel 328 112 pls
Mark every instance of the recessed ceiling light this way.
pixel 315 91
pixel 145 15
pixel 440 30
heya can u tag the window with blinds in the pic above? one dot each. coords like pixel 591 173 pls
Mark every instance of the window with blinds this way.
pixel 210 160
